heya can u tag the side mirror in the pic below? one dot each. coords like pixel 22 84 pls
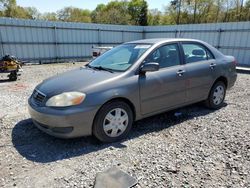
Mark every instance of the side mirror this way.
pixel 149 67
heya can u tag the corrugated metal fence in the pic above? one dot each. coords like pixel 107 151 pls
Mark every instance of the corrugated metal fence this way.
pixel 59 41
pixel 229 38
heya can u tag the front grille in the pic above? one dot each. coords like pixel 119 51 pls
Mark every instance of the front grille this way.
pixel 38 97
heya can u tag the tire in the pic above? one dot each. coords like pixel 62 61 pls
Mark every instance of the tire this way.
pixel 215 101
pixel 112 125
pixel 13 76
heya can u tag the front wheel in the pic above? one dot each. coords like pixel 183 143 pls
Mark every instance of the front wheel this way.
pixel 216 96
pixel 113 121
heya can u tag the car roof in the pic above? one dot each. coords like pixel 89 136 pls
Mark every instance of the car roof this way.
pixel 161 40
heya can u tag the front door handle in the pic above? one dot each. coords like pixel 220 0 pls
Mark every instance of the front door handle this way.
pixel 212 65
pixel 180 72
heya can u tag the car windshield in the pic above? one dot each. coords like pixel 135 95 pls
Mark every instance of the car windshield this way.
pixel 119 58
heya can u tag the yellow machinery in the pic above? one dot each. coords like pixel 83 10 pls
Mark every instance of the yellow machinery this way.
pixel 9 64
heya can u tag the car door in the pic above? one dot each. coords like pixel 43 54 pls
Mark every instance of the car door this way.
pixel 200 67
pixel 165 88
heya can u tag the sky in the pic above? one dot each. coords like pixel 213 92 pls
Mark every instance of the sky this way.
pixel 54 5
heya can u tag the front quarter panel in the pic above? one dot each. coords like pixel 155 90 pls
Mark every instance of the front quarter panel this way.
pixel 123 87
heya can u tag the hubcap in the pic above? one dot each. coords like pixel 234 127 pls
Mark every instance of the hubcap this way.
pixel 115 122
pixel 218 95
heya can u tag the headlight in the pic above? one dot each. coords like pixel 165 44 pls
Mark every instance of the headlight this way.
pixel 66 99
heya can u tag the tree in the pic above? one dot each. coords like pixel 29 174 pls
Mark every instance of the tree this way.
pixel 96 14
pixel 32 13
pixel 206 11
pixel 2 5
pixel 138 10
pixel 71 14
pixel 135 12
pixel 154 17
pixel 175 10
pixel 2 8
pixel 247 4
pixel 9 8
pixel 115 12
pixel 49 16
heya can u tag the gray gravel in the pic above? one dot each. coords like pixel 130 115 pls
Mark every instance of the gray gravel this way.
pixel 200 148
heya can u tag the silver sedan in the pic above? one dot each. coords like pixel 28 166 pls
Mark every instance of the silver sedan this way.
pixel 132 81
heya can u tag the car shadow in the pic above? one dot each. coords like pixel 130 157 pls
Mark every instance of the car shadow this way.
pixel 4 80
pixel 37 146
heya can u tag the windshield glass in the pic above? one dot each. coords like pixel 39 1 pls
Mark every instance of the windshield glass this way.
pixel 121 57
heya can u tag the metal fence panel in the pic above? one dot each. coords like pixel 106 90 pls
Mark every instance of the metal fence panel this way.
pixel 229 38
pixel 55 41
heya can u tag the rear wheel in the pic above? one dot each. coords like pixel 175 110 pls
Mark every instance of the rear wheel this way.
pixel 113 121
pixel 216 96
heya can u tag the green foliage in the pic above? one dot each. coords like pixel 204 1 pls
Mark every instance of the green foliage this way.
pixel 154 17
pixel 32 13
pixel 138 10
pixel 248 4
pixel 135 12
pixel 115 12
pixel 207 11
pixel 96 14
pixel 49 16
pixel 71 14
pixel 9 8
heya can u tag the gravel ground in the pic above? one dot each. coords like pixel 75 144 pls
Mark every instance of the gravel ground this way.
pixel 200 148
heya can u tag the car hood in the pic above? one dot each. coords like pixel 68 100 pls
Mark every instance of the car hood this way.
pixel 75 80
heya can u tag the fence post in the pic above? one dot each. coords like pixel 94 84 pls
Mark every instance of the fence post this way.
pixel 99 37
pixel 123 36
pixel 56 45
pixel 176 33
pixel 2 47
pixel 143 33
pixel 219 36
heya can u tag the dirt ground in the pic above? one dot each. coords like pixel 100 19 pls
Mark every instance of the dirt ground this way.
pixel 200 148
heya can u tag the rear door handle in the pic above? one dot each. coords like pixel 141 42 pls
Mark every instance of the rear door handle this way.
pixel 180 72
pixel 212 65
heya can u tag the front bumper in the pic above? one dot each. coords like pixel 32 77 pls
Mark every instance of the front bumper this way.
pixel 63 123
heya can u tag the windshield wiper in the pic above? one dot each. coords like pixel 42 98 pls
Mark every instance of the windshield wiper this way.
pixel 99 68
pixel 87 65
pixel 102 68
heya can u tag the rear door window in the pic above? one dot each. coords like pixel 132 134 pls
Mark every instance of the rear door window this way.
pixel 195 53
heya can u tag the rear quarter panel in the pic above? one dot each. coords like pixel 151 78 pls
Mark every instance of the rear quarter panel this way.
pixel 227 68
